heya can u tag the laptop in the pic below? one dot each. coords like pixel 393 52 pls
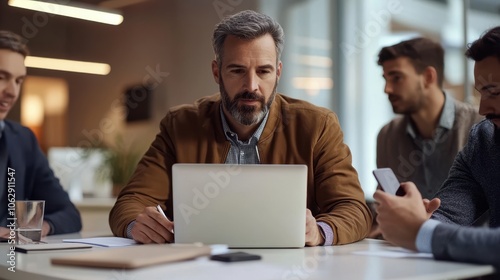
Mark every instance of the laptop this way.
pixel 243 206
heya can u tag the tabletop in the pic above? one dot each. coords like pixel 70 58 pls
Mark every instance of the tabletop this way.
pixel 333 262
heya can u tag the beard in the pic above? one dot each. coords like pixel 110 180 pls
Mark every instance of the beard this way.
pixel 246 114
pixel 412 105
pixel 496 129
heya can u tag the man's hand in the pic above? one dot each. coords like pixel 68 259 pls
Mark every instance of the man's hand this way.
pixel 431 205
pixel 313 236
pixel 400 218
pixel 151 227
pixel 45 228
pixel 4 232
pixel 375 232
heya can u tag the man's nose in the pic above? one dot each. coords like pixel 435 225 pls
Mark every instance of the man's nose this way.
pixel 388 88
pixel 486 108
pixel 11 88
pixel 251 82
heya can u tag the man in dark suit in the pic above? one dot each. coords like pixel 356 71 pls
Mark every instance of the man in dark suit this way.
pixel 24 170
pixel 472 186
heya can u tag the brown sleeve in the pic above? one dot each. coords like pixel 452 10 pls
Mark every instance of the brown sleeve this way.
pixel 339 195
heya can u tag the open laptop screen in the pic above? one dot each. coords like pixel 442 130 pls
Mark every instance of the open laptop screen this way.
pixel 245 206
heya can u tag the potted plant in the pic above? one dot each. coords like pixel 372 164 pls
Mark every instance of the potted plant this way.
pixel 119 163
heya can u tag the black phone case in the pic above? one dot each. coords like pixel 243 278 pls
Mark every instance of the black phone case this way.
pixel 235 257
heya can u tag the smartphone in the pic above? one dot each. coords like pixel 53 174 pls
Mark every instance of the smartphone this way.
pixel 235 257
pixel 387 181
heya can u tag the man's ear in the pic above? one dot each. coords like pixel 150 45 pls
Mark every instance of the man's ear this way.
pixel 215 71
pixel 278 69
pixel 430 76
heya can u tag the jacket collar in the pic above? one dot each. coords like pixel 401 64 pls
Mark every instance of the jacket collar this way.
pixel 274 119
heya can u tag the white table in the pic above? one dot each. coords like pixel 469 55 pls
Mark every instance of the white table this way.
pixel 336 262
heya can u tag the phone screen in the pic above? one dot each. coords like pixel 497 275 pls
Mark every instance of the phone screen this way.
pixel 387 180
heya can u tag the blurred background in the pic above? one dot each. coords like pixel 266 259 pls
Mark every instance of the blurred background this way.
pixel 158 55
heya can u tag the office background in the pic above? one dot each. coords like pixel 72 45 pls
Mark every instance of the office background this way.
pixel 329 59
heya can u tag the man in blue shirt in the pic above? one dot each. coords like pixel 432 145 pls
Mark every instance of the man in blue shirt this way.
pixel 24 170
pixel 472 187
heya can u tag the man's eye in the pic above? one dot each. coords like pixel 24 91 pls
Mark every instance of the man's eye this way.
pixel 237 71
pixel 487 94
pixel 395 79
pixel 491 92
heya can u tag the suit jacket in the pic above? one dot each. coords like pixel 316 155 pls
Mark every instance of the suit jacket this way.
pixel 296 132
pixel 36 181
pixel 473 186
pixel 466 244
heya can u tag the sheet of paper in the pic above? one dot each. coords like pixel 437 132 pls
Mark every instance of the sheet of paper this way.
pixel 104 241
pixel 395 253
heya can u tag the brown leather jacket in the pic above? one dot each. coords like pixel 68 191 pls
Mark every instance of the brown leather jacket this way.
pixel 296 132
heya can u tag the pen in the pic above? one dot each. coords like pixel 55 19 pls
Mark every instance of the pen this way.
pixel 158 207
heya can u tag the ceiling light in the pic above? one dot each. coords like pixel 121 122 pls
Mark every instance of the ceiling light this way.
pixel 68 65
pixel 80 11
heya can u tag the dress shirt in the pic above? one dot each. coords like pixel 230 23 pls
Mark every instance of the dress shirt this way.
pixel 424 236
pixel 242 152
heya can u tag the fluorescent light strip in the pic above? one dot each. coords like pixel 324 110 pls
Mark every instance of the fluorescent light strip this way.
pixel 69 11
pixel 68 65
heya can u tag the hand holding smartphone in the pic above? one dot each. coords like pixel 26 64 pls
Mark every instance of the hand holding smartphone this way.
pixel 387 181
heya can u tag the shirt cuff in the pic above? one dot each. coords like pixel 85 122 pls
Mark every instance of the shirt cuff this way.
pixel 129 229
pixel 424 236
pixel 327 233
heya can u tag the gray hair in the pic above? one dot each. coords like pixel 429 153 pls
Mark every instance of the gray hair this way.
pixel 247 25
